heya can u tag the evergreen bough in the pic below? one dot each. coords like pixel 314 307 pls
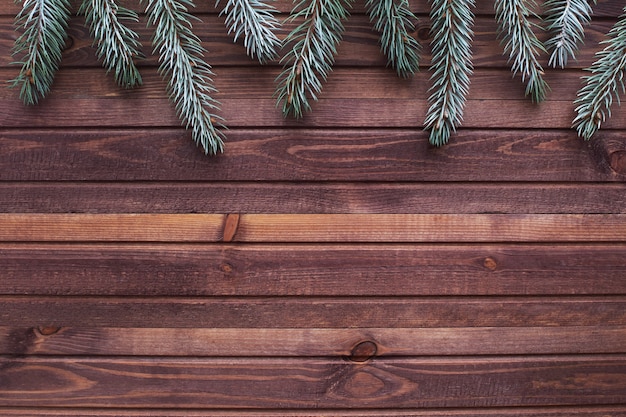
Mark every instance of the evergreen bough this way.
pixel 311 48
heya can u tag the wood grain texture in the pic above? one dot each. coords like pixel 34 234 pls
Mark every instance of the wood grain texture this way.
pixel 314 227
pixel 307 312
pixel 312 155
pixel 311 270
pixel 314 383
pixel 567 411
pixel 311 197
pixel 313 342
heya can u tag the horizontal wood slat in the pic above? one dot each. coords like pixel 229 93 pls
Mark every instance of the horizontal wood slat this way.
pixel 303 154
pixel 311 270
pixel 566 411
pixel 301 312
pixel 358 47
pixel 314 383
pixel 385 342
pixel 315 227
pixel 308 197
pixel 602 8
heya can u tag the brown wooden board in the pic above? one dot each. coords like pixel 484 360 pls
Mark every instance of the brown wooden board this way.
pixel 312 155
pixel 314 383
pixel 307 312
pixel 355 344
pixel 311 270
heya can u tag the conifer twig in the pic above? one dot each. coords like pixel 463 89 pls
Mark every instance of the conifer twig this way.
pixel 255 21
pixel 566 21
pixel 117 45
pixel 522 45
pixel 452 22
pixel 189 77
pixel 44 25
pixel 394 20
pixel 604 83
pixel 312 46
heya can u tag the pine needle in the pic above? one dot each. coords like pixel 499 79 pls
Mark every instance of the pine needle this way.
pixel 452 22
pixel 522 45
pixel 604 84
pixel 566 21
pixel 253 20
pixel 189 77
pixel 311 49
pixel 394 20
pixel 117 45
pixel 44 26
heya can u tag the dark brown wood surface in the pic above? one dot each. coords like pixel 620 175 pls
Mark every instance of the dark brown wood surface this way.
pixel 335 265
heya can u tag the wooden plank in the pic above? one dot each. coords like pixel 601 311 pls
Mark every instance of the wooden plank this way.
pixel 312 155
pixel 112 227
pixel 315 227
pixel 601 9
pixel 359 45
pixel 301 312
pixel 311 270
pixel 496 100
pixel 312 342
pixel 311 197
pixel 577 411
pixel 313 383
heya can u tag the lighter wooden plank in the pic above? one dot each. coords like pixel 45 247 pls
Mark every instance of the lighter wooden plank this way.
pixel 306 313
pixel 311 342
pixel 430 228
pixel 313 383
pixel 315 227
pixel 311 270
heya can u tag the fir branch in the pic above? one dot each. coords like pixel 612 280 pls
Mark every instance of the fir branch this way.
pixel 522 45
pixel 452 22
pixel 394 20
pixel 44 25
pixel 565 21
pixel 255 20
pixel 189 77
pixel 604 84
pixel 312 46
pixel 117 45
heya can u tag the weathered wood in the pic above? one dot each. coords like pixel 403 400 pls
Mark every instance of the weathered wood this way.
pixel 301 312
pixel 310 270
pixel 315 227
pixel 311 155
pixel 311 342
pixel 567 411
pixel 310 197
pixel 313 383
pixel 601 9
pixel 359 46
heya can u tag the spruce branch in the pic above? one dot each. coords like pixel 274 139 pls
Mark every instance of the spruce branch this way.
pixel 255 21
pixel 394 20
pixel 117 45
pixel 566 21
pixel 312 46
pixel 604 84
pixel 522 45
pixel 44 26
pixel 189 77
pixel 452 22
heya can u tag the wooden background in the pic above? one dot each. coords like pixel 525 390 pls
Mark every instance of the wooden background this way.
pixel 332 266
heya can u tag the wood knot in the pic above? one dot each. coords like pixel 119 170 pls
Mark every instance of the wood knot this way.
pixel 490 263
pixel 48 330
pixel 363 351
pixel 617 160
pixel 230 227
pixel 226 268
pixel 423 32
